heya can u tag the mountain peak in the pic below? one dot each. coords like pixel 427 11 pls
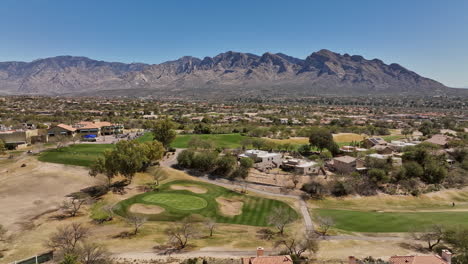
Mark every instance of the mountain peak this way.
pixel 227 74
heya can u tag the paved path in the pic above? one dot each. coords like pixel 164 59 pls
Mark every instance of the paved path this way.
pixel 216 252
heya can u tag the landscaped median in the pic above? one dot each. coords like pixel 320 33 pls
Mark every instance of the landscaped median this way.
pixel 181 198
pixel 379 221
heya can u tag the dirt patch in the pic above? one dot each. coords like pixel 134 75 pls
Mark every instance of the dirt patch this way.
pixel 229 207
pixel 194 189
pixel 146 209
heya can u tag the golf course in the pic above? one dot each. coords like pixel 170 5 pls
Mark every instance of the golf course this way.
pixel 380 222
pixel 181 198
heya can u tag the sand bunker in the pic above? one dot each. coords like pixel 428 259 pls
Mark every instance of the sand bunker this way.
pixel 146 209
pixel 229 207
pixel 191 188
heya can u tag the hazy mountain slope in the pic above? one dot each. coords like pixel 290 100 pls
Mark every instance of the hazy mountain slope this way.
pixel 225 75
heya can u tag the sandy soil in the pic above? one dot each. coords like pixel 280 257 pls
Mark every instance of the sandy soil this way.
pixel 339 250
pixel 229 207
pixel 194 189
pixel 146 209
pixel 26 192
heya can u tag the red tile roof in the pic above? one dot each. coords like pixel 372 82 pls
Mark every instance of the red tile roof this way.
pixel 285 259
pixel 66 127
pixel 417 260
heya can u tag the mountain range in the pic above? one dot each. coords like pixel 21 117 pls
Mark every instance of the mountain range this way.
pixel 227 75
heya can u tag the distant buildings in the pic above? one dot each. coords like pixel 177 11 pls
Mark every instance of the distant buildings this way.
pixel 86 128
pixel 346 164
pixel 22 137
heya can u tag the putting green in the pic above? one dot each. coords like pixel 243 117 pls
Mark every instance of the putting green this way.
pixel 177 201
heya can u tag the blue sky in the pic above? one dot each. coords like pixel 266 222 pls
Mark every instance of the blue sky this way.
pixel 427 36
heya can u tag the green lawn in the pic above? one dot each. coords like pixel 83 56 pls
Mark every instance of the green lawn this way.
pixel 220 140
pixel 182 203
pixel 177 201
pixel 392 137
pixel 148 136
pixel 359 221
pixel 79 154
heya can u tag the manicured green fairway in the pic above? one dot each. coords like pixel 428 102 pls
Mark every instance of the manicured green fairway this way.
pixel 177 206
pixel 79 154
pixel 220 140
pixel 359 221
pixel 177 201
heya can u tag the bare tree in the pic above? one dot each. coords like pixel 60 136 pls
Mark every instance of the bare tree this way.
pixel 3 234
pixel 136 221
pixel 158 176
pixel 295 178
pixel 180 234
pixel 433 235
pixel 61 140
pixel 66 238
pixel 72 206
pixel 92 253
pixel 297 245
pixel 280 217
pixel 210 224
pixel 325 224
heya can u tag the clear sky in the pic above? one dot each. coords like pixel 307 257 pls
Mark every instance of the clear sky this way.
pixel 427 36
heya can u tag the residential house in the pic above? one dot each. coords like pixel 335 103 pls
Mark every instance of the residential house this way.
pixel 61 129
pixel 302 167
pixel 444 258
pixel 439 139
pixel 346 164
pixel 98 128
pixel 383 149
pixel 261 259
pixel 373 141
pixel 22 137
pixel 263 159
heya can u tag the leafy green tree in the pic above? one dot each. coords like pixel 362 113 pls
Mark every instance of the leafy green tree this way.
pixel 434 172
pixel 246 163
pixel 378 176
pixel 163 131
pixel 426 128
pixel 458 239
pixel 406 132
pixel 152 150
pixel 225 165
pixel 412 169
pixel 320 138
pixel 126 159
pixel 304 149
pixel 185 158
pixel 205 161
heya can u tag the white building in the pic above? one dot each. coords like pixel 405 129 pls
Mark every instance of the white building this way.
pixel 262 158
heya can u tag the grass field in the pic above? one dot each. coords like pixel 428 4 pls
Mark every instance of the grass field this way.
pixel 392 137
pixel 79 154
pixel 359 221
pixel 220 140
pixel 179 204
pixel 347 137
